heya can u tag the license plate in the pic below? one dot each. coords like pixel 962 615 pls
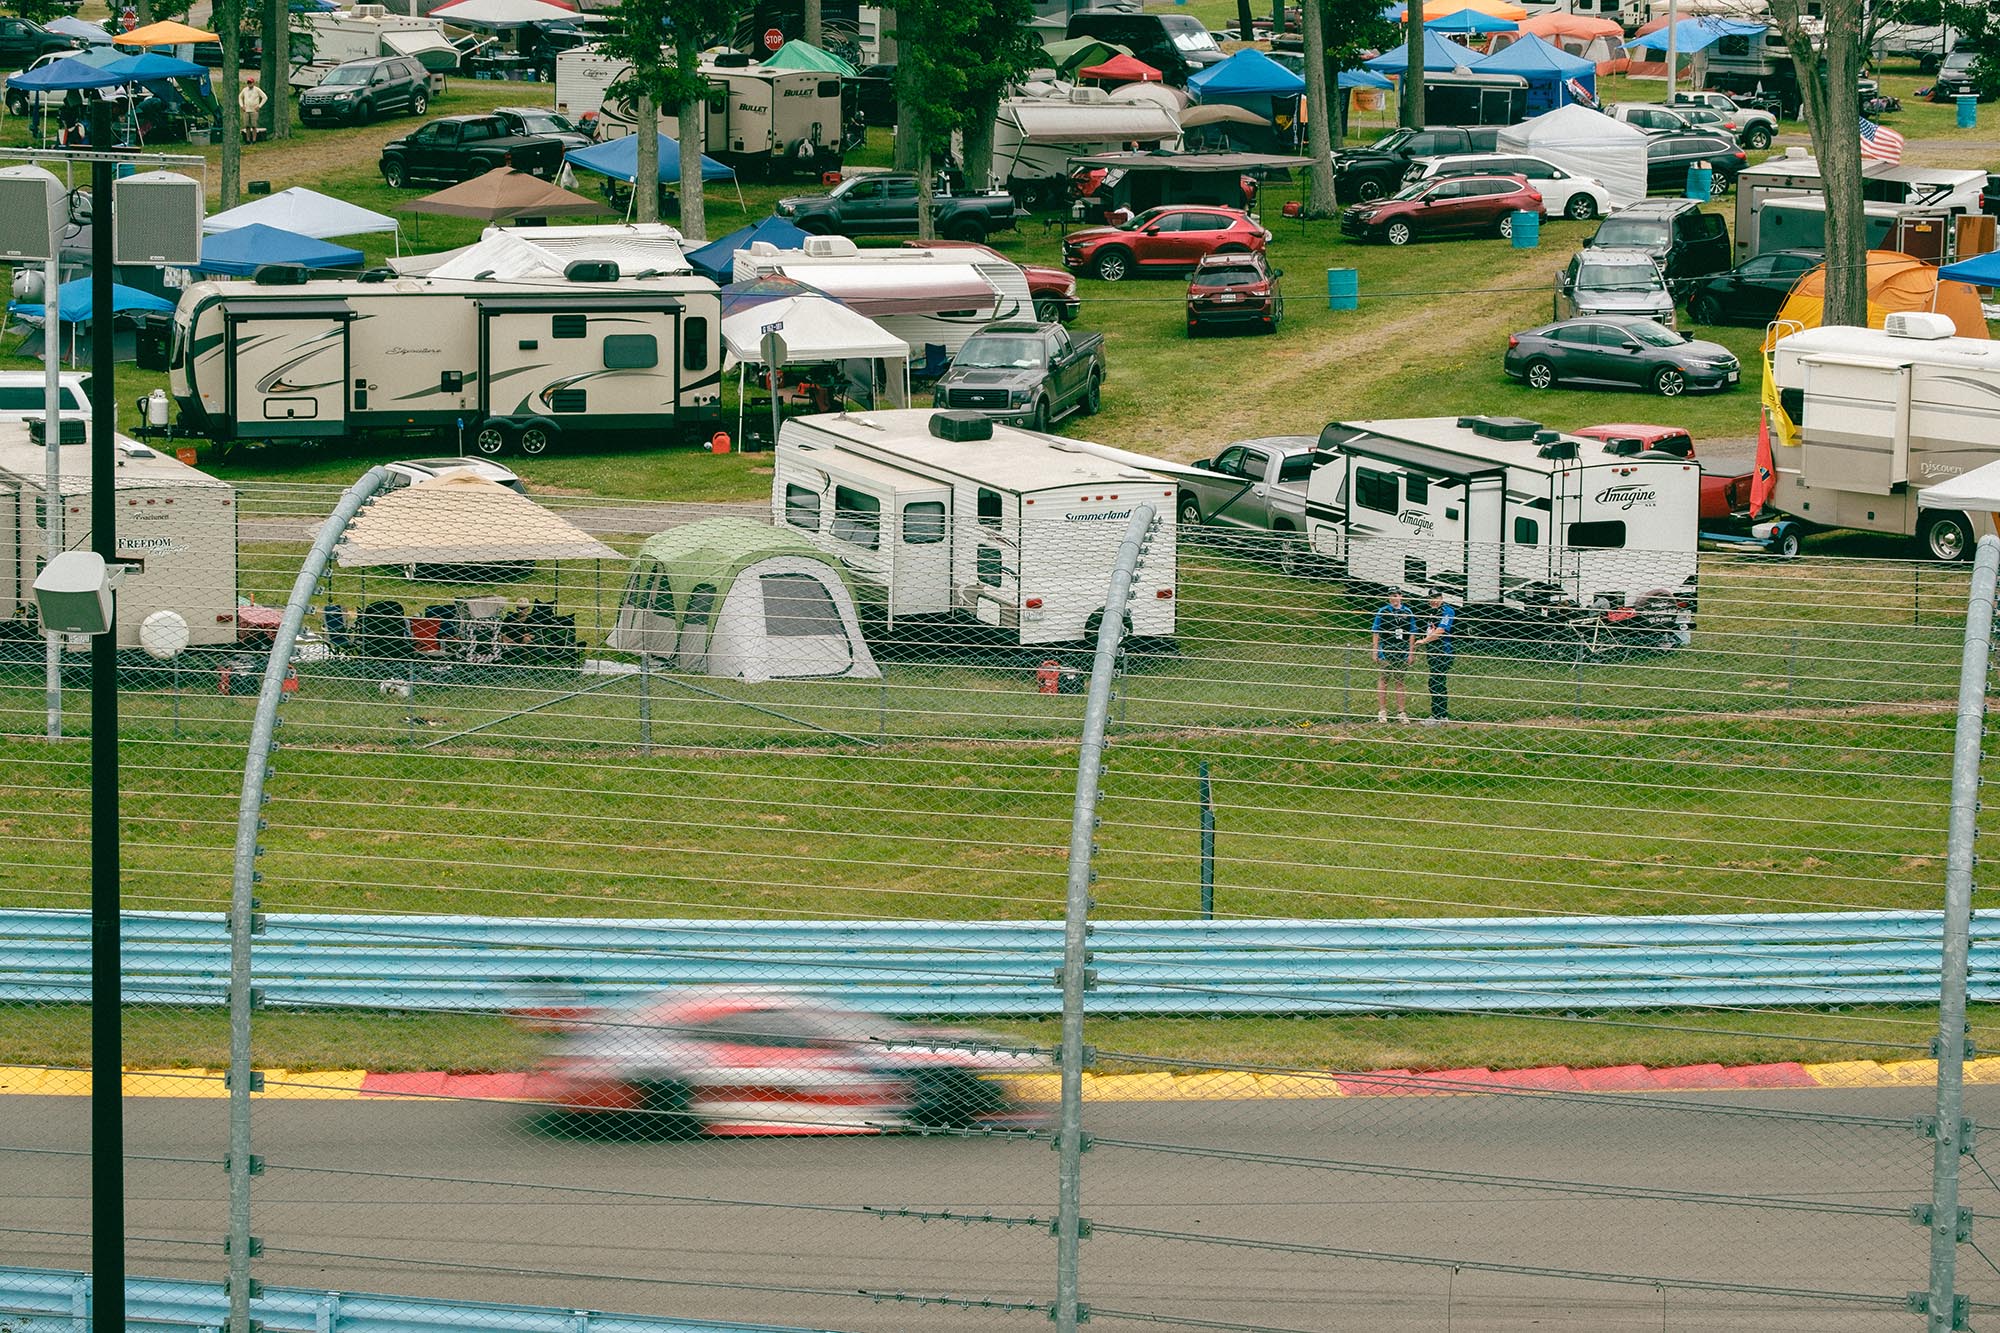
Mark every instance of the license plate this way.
pixel 1228 298
pixel 1735 376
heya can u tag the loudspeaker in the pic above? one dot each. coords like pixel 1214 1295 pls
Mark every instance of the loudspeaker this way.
pixel 156 220
pixel 31 214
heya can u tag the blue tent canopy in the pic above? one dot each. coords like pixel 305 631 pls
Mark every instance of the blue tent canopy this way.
pixel 58 75
pixel 716 260
pixel 246 249
pixel 1362 78
pixel 1248 73
pixel 73 302
pixel 149 66
pixel 619 159
pixel 1547 68
pixel 1470 21
pixel 1980 270
pixel 1691 35
pixel 1440 52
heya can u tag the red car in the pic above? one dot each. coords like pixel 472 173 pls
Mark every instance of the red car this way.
pixel 687 1063
pixel 1723 497
pixel 1173 239
pixel 1235 291
pixel 1443 206
pixel 1054 290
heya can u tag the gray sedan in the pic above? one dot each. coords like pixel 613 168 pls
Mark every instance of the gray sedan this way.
pixel 1636 352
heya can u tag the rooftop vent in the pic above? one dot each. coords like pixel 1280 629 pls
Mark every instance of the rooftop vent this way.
pixel 1555 447
pixel 70 432
pixel 831 247
pixel 1623 446
pixel 960 426
pixel 591 270
pixel 280 275
pixel 1500 428
pixel 731 60
pixel 1919 324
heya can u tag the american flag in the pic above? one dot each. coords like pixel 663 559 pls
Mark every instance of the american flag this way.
pixel 1579 93
pixel 1881 142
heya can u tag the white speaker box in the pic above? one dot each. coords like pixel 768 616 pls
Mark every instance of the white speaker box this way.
pixel 156 219
pixel 31 214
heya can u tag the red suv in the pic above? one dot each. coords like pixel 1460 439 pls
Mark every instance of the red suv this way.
pixel 1171 239
pixel 1443 206
pixel 1238 291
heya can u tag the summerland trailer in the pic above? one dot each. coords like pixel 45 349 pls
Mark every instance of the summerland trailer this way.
pixel 1034 138
pixel 494 364
pixel 176 536
pixel 1880 414
pixel 932 299
pixel 946 518
pixel 1512 520
pixel 763 121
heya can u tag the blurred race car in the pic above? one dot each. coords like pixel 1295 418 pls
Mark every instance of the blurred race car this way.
pixel 687 1063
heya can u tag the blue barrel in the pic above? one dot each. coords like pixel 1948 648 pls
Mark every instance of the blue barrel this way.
pixel 1701 183
pixel 1968 111
pixel 1527 229
pixel 1343 289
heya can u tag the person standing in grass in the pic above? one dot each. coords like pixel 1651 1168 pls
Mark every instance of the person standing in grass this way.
pixel 250 101
pixel 1393 641
pixel 1438 625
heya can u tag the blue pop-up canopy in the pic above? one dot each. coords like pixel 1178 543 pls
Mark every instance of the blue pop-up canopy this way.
pixel 73 304
pixel 1691 35
pixel 1362 78
pixel 247 249
pixel 619 159
pixel 1440 52
pixel 1248 73
pixel 1548 68
pixel 716 260
pixel 1980 271
pixel 61 75
pixel 149 66
pixel 1470 21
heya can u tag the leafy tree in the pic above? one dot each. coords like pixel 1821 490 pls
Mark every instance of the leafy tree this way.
pixel 932 39
pixel 1001 50
pixel 1826 56
pixel 1343 31
pixel 663 41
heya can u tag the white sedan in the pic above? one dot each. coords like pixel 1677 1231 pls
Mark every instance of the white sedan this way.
pixel 1564 193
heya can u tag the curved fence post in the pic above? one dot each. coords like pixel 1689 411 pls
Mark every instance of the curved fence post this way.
pixel 1069 1311
pixel 242 901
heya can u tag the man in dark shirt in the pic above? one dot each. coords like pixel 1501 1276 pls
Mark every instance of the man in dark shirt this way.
pixel 1438 624
pixel 1392 640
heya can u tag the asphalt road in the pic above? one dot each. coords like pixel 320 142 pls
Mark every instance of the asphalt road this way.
pixel 386 1197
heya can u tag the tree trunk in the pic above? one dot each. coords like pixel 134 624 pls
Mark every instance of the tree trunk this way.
pixel 977 139
pixel 925 187
pixel 646 182
pixel 143 9
pixel 228 19
pixel 815 29
pixel 1411 94
pixel 1245 22
pixel 885 36
pixel 275 13
pixel 906 136
pixel 1319 112
pixel 694 133
pixel 278 44
pixel 1827 73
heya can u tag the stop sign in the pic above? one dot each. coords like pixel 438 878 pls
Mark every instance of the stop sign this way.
pixel 773 39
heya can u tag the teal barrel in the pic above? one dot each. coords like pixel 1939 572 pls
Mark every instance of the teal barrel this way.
pixel 1343 289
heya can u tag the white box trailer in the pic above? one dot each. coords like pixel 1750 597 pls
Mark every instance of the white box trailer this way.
pixel 176 535
pixel 1794 174
pixel 1880 414
pixel 498 363
pixel 367 31
pixel 1034 138
pixel 1511 519
pixel 1002 528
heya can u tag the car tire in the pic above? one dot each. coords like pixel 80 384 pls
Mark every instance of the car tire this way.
pixel 1540 373
pixel 813 226
pixel 392 174
pixel 492 437
pixel 1113 265
pixel 536 437
pixel 951 1099
pixel 1039 420
pixel 967 229
pixel 1757 138
pixel 1504 228
pixel 1399 233
pixel 1945 536
pixel 1368 190
pixel 1093 397
pixel 1670 381
pixel 1582 208
pixel 1190 512
pixel 665 1111
pixel 419 104
pixel 1048 312
pixel 1704 308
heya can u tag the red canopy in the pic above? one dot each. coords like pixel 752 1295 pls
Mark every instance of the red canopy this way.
pixel 1121 69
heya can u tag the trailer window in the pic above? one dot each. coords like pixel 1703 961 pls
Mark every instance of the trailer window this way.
pixel 1606 535
pixel 989 508
pixel 1418 489
pixel 923 522
pixel 802 508
pixel 990 567
pixel 631 351
pixel 694 342
pixel 1375 490
pixel 829 88
pixel 1526 531
pixel 857 518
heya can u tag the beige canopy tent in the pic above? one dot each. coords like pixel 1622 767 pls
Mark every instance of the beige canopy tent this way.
pixel 462 519
pixel 506 193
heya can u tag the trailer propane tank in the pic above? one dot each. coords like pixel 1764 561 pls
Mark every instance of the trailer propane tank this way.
pixel 157 409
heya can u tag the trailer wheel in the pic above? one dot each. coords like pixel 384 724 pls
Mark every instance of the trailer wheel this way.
pixel 1787 544
pixel 1946 536
pixel 537 436
pixel 491 438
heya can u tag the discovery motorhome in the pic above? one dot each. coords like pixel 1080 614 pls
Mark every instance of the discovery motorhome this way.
pixel 176 537
pixel 1879 414
pixel 495 364
pixel 1515 521
pixel 945 517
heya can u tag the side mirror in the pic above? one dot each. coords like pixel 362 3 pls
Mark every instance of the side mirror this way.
pixel 1629 345
pixel 1277 273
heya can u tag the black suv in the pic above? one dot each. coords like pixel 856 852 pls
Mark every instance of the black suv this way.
pixel 1955 76
pixel 1686 242
pixel 364 89
pixel 1371 172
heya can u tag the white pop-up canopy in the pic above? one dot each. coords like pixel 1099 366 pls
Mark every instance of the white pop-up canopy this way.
pixel 1586 143
pixel 816 331
pixel 1974 492
pixel 462 519
pixel 303 212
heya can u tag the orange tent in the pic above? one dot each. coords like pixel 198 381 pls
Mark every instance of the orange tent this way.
pixel 1896 282
pixel 165 33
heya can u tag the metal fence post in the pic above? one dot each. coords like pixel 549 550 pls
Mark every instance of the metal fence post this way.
pixel 645 703
pixel 240 1245
pixel 1950 1133
pixel 1070 1227
pixel 1207 843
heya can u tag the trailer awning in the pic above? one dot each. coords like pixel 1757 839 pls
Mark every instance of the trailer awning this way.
pixel 318 307
pixel 1421 457
pixel 580 302
pixel 898 289
pixel 1099 122
pixel 417 42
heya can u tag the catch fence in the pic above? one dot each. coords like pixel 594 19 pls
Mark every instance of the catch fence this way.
pixel 712 764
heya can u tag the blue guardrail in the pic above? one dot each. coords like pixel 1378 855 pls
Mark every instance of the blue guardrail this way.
pixel 967 969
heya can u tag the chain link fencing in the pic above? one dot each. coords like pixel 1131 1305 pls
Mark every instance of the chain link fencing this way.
pixel 645 921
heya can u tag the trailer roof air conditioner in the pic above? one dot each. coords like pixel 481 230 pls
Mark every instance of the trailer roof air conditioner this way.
pixel 1501 428
pixel 371 11
pixel 1089 96
pixel 591 270
pixel 961 426
pixel 1919 324
pixel 831 247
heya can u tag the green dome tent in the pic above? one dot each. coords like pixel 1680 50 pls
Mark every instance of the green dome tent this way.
pixel 796 54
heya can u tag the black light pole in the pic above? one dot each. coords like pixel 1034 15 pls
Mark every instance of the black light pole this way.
pixel 107 1000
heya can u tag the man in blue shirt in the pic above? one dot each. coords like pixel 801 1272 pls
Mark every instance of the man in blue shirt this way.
pixel 1392 640
pixel 1438 624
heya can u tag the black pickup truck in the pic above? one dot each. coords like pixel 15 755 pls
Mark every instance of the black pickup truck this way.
pixel 458 148
pixel 1027 374
pixel 880 204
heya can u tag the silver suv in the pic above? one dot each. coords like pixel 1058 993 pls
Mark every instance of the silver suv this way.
pixel 1625 284
pixel 364 89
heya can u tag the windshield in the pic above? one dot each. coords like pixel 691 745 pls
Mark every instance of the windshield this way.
pixel 1631 233
pixel 1651 334
pixel 1227 275
pixel 999 353
pixel 1388 143
pixel 1146 218
pixel 1414 191
pixel 1188 34
pixel 344 74
pixel 1618 277
pixel 546 122
pixel 1958 60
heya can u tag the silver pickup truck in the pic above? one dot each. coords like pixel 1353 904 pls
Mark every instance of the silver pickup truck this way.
pixel 1253 485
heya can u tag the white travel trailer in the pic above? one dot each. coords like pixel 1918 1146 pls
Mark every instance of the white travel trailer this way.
pixel 1880 414
pixel 1794 174
pixel 1513 520
pixel 367 31
pixel 768 121
pixel 176 536
pixel 496 364
pixel 945 518
pixel 932 299
pixel 1034 138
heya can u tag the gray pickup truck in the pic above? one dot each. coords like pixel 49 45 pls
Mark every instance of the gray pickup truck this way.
pixel 1026 374
pixel 1258 484
pixel 881 204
